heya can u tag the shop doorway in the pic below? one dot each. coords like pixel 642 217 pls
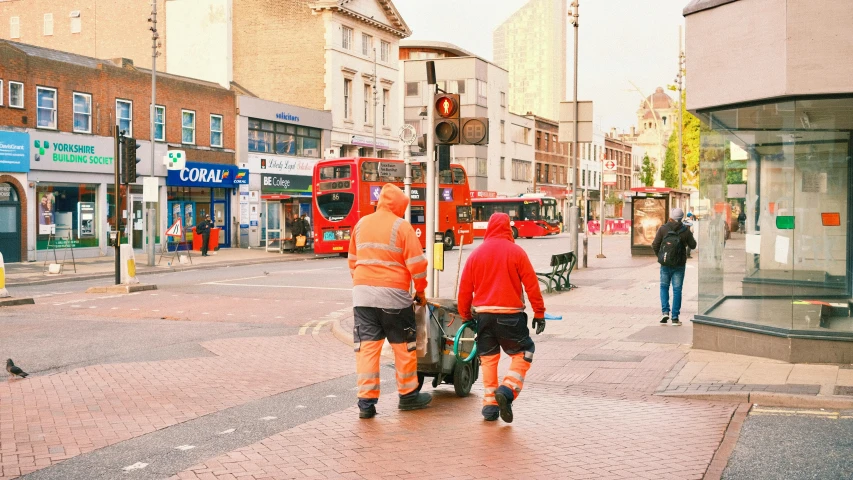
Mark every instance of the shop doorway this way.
pixel 10 223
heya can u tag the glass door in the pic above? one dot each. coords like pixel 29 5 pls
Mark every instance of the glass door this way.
pixel 136 221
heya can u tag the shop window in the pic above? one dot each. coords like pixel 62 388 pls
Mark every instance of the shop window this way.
pixel 82 112
pixel 16 94
pixel 46 106
pixel 188 127
pixel 160 123
pixel 216 131
pixel 124 116
pixel 67 215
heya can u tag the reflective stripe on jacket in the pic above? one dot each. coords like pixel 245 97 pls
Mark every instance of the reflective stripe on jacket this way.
pixel 384 250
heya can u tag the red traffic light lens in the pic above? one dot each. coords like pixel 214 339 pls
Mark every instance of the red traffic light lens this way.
pixel 446 106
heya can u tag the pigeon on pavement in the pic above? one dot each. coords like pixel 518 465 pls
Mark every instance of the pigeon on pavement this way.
pixel 13 370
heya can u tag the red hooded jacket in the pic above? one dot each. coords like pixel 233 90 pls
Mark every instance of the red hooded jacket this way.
pixel 495 272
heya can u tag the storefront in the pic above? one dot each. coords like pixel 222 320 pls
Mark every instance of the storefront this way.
pixel 72 189
pixel 14 165
pixel 775 159
pixel 204 189
pixel 282 144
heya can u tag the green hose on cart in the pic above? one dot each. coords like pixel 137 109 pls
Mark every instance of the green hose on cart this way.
pixel 471 356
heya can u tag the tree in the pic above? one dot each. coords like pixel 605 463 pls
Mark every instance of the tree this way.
pixel 647 171
pixel 689 148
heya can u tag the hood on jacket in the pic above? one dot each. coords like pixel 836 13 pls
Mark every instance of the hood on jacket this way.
pixel 393 199
pixel 499 227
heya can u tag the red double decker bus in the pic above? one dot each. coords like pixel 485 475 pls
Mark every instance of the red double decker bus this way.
pixel 529 216
pixel 346 189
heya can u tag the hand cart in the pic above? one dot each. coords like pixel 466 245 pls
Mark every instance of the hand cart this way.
pixel 446 346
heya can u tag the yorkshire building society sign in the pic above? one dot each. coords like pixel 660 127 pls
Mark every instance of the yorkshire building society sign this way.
pixel 71 153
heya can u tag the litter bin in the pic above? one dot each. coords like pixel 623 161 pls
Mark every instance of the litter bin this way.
pixel 212 245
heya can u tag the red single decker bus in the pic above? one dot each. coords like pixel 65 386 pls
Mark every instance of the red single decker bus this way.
pixel 346 189
pixel 530 216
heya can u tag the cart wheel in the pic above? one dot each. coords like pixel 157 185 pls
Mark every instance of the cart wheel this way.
pixel 463 378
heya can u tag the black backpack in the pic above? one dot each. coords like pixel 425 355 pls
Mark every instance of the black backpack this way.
pixel 671 250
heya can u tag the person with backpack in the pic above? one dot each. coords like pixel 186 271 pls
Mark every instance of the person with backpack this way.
pixel 670 245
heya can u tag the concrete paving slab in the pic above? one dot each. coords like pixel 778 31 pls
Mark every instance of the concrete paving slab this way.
pixel 720 357
pixel 844 378
pixel 664 334
pixel 721 373
pixel 814 374
pixel 688 373
pixel 767 374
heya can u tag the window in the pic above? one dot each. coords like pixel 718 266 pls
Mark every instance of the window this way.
pixel 124 116
pixel 76 24
pixel 347 97
pixel 16 94
pixel 503 99
pixel 482 167
pixel 216 131
pixel 547 142
pixel 82 112
pixel 346 38
pixel 160 123
pixel 46 106
pixel 503 168
pixel 14 27
pixel 48 24
pixel 188 127
pixel 503 129
pixel 367 102
pixel 283 139
pixel 538 140
pixel 412 89
pixel 460 86
pixel 482 88
pixel 366 44
pixel 386 99
pixel 521 170
pixel 384 50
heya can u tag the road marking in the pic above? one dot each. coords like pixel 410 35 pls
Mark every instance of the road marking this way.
pixel 301 406
pixel 226 432
pixel 184 448
pixel 135 466
pixel 267 419
pixel 93 306
pixel 82 300
pixel 230 314
pixel 205 313
pixel 331 396
pixel 277 286
pixel 308 270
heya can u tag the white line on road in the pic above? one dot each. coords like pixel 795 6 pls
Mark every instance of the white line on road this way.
pixel 305 327
pixel 135 466
pixel 264 276
pixel 184 448
pixel 226 432
pixel 267 419
pixel 301 406
pixel 331 396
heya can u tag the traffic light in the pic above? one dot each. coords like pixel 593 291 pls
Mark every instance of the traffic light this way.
pixel 128 160
pixel 474 131
pixel 447 119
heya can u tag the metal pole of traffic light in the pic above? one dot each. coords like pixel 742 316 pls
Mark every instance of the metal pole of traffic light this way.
pixel 429 224
pixel 575 210
pixel 679 78
pixel 117 204
pixel 152 213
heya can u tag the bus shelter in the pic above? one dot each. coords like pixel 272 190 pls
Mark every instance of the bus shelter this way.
pixel 650 208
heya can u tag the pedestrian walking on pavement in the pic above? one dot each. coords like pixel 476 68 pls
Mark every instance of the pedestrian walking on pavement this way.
pixel 203 228
pixel 384 258
pixel 297 230
pixel 670 245
pixel 492 282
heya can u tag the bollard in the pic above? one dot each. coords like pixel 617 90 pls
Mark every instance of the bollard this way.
pixel 574 222
pixel 585 245
pixel 3 292
pixel 128 266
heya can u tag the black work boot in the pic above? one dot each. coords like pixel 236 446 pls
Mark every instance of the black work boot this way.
pixel 504 397
pixel 368 412
pixel 490 413
pixel 415 401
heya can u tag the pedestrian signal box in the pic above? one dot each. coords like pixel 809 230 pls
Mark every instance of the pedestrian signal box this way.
pixel 447 119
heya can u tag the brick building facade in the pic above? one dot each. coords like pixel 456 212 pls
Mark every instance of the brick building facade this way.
pixel 60 110
pixel 552 162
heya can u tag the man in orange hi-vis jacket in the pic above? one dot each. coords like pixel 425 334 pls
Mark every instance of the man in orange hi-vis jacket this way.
pixel 385 257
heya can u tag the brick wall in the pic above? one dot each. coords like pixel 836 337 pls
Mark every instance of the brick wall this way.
pixel 554 154
pixel 106 83
pixel 279 51
pixel 109 28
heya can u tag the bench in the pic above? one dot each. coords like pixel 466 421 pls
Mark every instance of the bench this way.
pixel 562 265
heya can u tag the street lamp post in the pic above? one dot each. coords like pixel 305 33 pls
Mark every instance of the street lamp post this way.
pixel 574 212
pixel 152 216
pixel 679 79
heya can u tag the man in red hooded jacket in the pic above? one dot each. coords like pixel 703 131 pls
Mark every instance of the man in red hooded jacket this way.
pixel 491 282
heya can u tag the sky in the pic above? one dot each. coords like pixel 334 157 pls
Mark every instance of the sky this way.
pixel 620 41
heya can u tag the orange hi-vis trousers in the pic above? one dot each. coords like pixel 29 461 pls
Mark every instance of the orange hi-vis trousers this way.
pixel 510 333
pixel 371 327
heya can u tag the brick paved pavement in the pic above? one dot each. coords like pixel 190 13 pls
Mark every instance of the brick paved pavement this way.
pixel 46 419
pixel 556 434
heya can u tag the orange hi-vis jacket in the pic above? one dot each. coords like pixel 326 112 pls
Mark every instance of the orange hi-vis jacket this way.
pixel 385 252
